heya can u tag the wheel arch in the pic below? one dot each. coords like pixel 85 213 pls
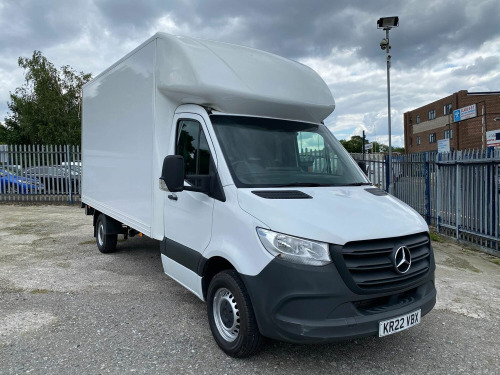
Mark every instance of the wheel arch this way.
pixel 212 267
pixel 112 226
pixel 94 221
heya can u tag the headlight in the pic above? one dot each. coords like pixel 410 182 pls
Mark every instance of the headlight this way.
pixel 294 249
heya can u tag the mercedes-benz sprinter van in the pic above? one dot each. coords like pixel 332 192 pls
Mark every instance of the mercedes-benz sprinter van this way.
pixel 220 152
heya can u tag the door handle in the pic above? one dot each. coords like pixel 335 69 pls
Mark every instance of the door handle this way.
pixel 172 197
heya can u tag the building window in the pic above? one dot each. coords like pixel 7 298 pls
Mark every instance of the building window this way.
pixel 417 119
pixel 411 141
pixel 432 114
pixel 448 134
pixel 432 138
pixel 418 140
pixel 411 121
pixel 447 109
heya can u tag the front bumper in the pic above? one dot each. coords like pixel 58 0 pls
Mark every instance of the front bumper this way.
pixel 305 304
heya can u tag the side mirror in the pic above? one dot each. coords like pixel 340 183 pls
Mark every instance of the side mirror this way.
pixel 362 165
pixel 172 173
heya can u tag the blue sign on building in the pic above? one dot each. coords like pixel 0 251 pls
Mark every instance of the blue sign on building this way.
pixel 464 113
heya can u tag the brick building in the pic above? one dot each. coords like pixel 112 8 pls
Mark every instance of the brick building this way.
pixel 426 125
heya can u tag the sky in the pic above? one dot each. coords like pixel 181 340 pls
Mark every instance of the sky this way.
pixel 440 46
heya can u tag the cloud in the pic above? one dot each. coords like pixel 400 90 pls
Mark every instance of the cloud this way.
pixel 440 47
pixel 481 66
pixel 29 25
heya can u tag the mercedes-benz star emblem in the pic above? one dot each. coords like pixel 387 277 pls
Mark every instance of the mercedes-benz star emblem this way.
pixel 402 259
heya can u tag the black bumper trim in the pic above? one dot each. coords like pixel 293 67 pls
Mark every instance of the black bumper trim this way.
pixel 306 304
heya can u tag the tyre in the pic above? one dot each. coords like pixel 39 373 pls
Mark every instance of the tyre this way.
pixel 231 317
pixel 106 243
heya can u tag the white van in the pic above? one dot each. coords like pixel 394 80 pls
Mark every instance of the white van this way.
pixel 219 152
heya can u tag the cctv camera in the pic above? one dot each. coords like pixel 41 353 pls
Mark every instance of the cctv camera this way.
pixel 384 43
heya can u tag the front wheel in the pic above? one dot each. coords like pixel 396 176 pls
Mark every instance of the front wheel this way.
pixel 231 317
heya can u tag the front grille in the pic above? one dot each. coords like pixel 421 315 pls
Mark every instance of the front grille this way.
pixel 369 264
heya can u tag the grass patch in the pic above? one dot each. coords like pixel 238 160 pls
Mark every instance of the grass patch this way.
pixel 24 228
pixel 495 261
pixel 43 241
pixel 40 291
pixel 436 238
pixel 87 242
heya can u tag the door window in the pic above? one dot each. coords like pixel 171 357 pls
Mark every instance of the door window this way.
pixel 192 145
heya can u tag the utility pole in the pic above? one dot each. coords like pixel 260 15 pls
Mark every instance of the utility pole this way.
pixel 363 148
pixel 387 23
pixel 388 55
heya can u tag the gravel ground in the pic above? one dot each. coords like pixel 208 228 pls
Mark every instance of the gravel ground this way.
pixel 65 308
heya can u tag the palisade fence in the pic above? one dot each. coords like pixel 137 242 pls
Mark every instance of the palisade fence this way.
pixel 457 192
pixel 40 173
pixel 376 168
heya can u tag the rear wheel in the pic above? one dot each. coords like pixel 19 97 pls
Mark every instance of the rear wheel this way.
pixel 231 316
pixel 106 243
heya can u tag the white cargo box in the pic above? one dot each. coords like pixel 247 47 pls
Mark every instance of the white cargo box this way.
pixel 129 108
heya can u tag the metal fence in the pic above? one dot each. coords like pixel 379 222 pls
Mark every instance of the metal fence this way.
pixel 458 192
pixel 376 168
pixel 468 196
pixel 44 173
pixel 415 183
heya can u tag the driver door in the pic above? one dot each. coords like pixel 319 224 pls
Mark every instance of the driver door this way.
pixel 188 214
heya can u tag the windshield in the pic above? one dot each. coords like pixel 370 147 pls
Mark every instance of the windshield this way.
pixel 262 152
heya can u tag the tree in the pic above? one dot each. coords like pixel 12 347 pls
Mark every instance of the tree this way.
pixel 378 147
pixel 354 145
pixel 46 109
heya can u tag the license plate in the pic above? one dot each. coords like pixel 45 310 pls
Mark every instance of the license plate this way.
pixel 394 325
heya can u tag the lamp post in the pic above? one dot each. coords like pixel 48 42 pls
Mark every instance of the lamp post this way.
pixel 387 23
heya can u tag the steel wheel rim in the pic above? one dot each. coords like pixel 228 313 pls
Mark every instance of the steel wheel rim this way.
pixel 100 233
pixel 226 314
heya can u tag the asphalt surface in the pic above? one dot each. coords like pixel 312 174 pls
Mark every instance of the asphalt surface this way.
pixel 65 308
